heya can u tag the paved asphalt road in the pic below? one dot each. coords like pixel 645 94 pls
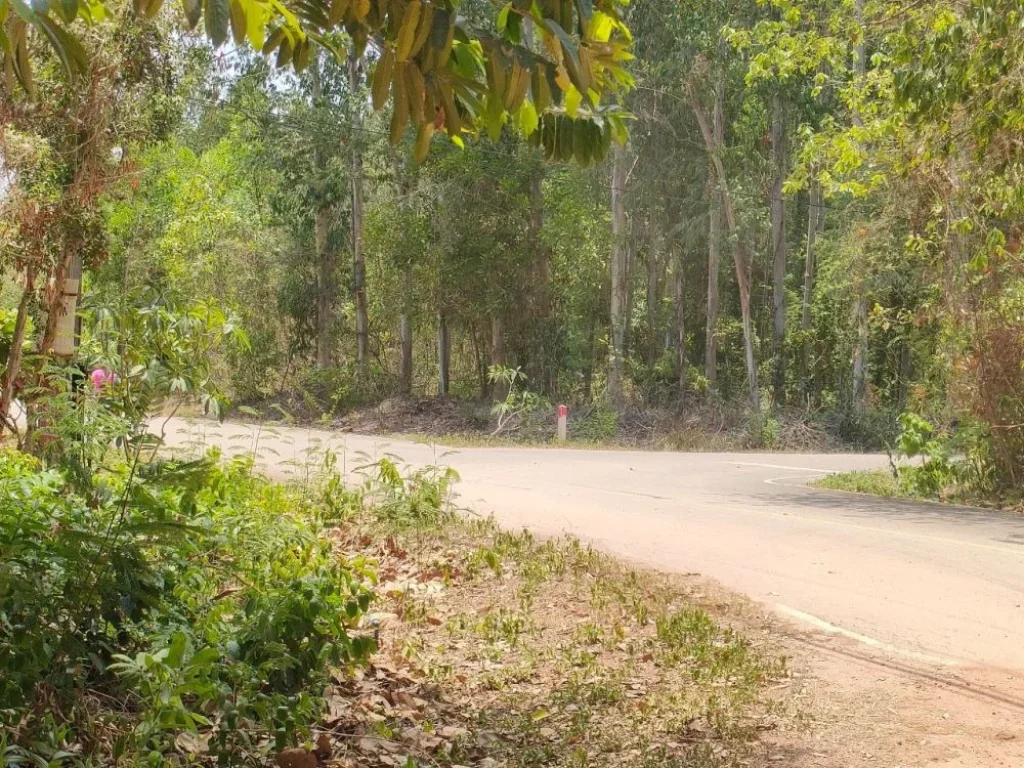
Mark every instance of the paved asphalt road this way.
pixel 928 582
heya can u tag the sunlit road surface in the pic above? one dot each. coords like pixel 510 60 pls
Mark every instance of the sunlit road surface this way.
pixel 934 583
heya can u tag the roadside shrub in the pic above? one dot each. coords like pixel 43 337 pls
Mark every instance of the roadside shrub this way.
pixel 201 593
pixel 599 424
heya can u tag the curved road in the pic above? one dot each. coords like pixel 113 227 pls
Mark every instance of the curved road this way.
pixel 928 582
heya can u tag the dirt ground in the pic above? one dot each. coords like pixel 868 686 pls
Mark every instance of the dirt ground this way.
pixel 866 710
pixel 704 426
pixel 471 668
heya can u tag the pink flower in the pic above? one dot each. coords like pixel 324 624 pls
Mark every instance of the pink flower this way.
pixel 101 377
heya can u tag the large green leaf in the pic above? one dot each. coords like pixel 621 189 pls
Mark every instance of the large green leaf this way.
pixel 216 15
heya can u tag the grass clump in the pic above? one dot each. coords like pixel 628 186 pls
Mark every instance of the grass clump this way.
pixel 876 482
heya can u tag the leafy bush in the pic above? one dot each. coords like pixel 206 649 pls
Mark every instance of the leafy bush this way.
pixel 599 424
pixel 197 591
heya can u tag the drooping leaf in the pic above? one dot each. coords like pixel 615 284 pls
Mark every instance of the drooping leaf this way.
pixel 238 21
pixel 422 146
pixel 216 15
pixel 193 12
pixel 382 78
pixel 528 118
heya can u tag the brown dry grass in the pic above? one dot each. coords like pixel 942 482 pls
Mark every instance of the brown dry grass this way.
pixel 500 650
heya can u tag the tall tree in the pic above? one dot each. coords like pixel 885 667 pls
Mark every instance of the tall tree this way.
pixel 714 236
pixel 860 306
pixel 739 254
pixel 356 225
pixel 619 277
pixel 778 241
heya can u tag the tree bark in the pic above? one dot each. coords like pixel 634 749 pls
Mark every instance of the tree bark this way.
pixel 62 302
pixel 358 260
pixel 740 261
pixel 778 236
pixel 860 302
pixel 321 228
pixel 680 297
pixel 499 389
pixel 13 370
pixel 652 291
pixel 618 278
pixel 405 333
pixel 543 369
pixel 714 242
pixel 444 355
pixel 813 219
pixel 323 298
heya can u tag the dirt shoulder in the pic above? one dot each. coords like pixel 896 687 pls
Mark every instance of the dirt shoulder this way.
pixel 702 426
pixel 497 649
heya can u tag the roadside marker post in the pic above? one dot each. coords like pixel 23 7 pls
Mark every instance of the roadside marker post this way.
pixel 563 415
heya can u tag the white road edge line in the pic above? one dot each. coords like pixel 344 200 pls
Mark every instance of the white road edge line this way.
pixel 784 466
pixel 871 642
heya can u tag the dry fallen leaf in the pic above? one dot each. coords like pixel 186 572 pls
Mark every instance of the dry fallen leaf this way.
pixel 295 758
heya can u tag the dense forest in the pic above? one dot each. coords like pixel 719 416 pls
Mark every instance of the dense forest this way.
pixel 791 212
pixel 816 211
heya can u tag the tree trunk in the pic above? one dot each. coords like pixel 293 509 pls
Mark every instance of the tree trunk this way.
pixel 618 278
pixel 321 229
pixel 59 330
pixel 680 296
pixel 13 370
pixel 631 251
pixel 543 369
pixel 323 298
pixel 739 256
pixel 778 236
pixel 652 292
pixel 813 219
pixel 444 355
pixel 405 333
pixel 358 261
pixel 860 302
pixel 714 242
pixel 499 389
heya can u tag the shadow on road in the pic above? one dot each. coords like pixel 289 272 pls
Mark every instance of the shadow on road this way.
pixel 860 506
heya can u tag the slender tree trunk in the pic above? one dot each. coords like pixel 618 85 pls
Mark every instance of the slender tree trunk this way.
pixel 714 241
pixel 543 370
pixel 739 256
pixel 652 292
pixel 358 260
pixel 680 296
pixel 631 251
pixel 860 348
pixel 62 304
pixel 13 370
pixel 500 389
pixel 325 267
pixel 778 235
pixel 618 278
pixel 813 219
pixel 405 332
pixel 406 182
pixel 860 302
pixel 444 355
pixel 588 372
pixel 323 298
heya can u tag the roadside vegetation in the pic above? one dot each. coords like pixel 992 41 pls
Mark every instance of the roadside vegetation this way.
pixel 930 465
pixel 161 609
pixel 699 225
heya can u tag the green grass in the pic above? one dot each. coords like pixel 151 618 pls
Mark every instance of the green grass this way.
pixel 876 482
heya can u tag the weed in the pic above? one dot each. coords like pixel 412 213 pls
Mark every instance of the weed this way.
pixel 503 625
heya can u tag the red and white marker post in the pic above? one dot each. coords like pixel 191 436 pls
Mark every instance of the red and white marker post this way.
pixel 563 416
